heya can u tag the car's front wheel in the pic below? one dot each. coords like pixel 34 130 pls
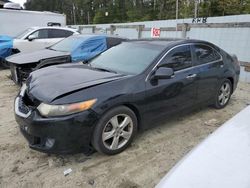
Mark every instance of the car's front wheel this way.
pixel 115 131
pixel 223 94
pixel 4 64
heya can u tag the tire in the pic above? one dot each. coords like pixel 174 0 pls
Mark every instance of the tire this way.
pixel 115 131
pixel 223 94
pixel 4 64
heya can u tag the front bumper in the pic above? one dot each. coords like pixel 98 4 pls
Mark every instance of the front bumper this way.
pixel 19 74
pixel 69 134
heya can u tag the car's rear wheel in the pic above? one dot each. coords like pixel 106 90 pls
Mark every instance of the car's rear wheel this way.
pixel 223 94
pixel 115 131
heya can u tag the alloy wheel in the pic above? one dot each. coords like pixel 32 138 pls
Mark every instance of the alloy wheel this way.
pixel 117 132
pixel 224 95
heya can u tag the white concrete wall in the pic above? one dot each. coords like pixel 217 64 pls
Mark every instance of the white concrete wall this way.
pixel 233 40
pixel 172 23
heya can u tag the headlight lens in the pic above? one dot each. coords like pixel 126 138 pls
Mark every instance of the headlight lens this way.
pixel 62 110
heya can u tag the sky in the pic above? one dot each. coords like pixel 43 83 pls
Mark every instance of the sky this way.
pixel 21 2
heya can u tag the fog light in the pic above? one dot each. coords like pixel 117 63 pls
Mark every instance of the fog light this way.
pixel 49 142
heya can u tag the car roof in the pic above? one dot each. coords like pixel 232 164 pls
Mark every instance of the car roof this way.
pixel 98 35
pixel 167 42
pixel 62 28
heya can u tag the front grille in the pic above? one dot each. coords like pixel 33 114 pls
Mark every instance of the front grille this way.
pixel 22 107
pixel 24 74
pixel 25 104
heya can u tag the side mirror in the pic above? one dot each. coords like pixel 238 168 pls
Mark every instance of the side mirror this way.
pixel 163 73
pixel 31 37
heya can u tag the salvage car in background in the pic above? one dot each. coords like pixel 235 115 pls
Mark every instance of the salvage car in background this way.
pixel 221 160
pixel 36 38
pixel 6 44
pixel 72 49
pixel 68 108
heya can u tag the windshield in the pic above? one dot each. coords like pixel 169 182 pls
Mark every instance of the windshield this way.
pixel 23 33
pixel 67 45
pixel 128 58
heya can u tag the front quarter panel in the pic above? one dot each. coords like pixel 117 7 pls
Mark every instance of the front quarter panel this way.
pixel 129 90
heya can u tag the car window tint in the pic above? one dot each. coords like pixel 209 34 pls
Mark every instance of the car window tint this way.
pixel 179 58
pixel 41 34
pixel 59 33
pixel 205 54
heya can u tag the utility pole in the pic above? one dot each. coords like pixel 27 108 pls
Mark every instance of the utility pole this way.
pixel 88 17
pixel 177 9
pixel 177 13
pixel 74 13
pixel 196 8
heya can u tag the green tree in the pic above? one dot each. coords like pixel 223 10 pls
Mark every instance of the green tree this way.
pixel 93 11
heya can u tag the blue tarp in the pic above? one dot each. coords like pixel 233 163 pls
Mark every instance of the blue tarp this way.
pixel 6 45
pixel 88 47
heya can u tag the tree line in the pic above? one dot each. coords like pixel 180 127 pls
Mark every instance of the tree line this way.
pixel 117 11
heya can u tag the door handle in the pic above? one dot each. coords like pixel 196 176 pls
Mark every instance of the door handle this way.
pixel 191 76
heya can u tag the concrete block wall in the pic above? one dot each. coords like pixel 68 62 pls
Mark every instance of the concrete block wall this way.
pixel 222 31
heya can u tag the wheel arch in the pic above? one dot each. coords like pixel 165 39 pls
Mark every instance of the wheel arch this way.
pixel 136 111
pixel 128 105
pixel 231 79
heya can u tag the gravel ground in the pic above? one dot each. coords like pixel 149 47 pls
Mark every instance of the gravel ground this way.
pixel 142 165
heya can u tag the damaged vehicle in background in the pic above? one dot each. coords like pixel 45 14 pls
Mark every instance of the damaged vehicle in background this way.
pixel 72 107
pixel 6 44
pixel 75 48
pixel 37 38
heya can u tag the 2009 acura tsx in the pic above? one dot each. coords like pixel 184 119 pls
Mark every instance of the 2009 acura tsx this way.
pixel 101 105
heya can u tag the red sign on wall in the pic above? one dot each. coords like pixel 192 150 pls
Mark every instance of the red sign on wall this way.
pixel 155 32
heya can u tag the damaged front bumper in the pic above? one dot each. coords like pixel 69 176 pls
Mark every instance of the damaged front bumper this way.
pixel 20 74
pixel 59 135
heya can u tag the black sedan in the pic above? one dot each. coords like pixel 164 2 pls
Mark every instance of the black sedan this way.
pixel 71 108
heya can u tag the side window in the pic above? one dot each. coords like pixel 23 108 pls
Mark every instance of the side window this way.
pixel 205 54
pixel 59 33
pixel 41 34
pixel 179 58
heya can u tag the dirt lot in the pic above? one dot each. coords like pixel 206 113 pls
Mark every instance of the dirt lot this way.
pixel 150 157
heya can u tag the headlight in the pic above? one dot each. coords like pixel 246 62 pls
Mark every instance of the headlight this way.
pixel 61 110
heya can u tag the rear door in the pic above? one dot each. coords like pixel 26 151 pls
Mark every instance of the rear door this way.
pixel 169 96
pixel 210 65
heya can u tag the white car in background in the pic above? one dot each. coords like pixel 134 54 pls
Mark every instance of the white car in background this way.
pixel 220 161
pixel 37 38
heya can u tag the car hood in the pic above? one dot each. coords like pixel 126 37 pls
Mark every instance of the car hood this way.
pixel 50 83
pixel 32 57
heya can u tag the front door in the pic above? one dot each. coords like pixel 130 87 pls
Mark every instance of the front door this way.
pixel 167 96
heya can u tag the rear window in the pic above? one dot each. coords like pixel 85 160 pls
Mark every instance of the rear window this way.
pixel 59 33
pixel 205 54
pixel 67 45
